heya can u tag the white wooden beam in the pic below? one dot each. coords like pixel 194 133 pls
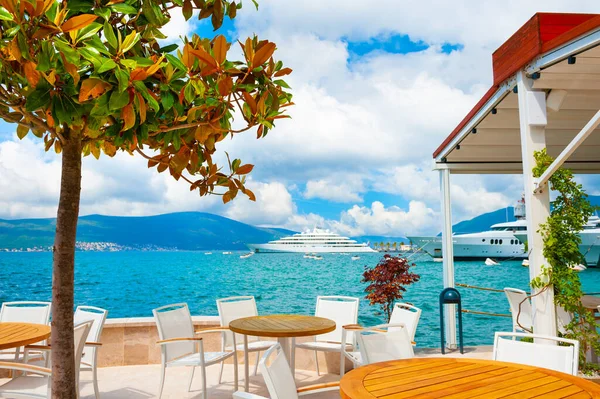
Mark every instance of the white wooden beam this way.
pixel 533 138
pixel 592 124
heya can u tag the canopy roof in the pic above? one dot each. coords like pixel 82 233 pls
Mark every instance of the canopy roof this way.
pixel 561 52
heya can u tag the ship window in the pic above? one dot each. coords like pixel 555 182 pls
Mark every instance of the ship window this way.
pixel 500 242
pixel 483 240
pixel 512 242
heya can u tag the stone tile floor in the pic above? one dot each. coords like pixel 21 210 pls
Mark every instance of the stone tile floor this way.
pixel 141 382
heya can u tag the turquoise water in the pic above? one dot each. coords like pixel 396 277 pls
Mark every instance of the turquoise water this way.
pixel 131 284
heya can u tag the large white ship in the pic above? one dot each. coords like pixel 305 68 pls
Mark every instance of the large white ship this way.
pixel 499 242
pixel 315 241
pixel 505 241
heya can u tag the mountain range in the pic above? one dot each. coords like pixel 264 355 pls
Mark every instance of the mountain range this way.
pixel 188 231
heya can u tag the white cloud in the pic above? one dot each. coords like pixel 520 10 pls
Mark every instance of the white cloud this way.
pixel 336 188
pixel 273 205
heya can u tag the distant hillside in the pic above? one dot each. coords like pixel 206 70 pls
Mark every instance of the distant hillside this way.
pixel 184 231
pixel 483 222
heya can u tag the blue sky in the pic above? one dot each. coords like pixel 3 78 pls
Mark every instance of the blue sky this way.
pixel 376 90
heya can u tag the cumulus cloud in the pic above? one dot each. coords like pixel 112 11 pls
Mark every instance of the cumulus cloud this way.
pixel 336 188
pixel 273 205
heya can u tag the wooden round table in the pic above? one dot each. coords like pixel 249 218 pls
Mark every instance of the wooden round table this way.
pixel 458 378
pixel 14 335
pixel 282 327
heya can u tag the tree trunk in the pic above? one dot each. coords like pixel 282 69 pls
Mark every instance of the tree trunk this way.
pixel 63 359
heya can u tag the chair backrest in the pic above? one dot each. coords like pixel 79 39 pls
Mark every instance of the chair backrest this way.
pixel 384 342
pixel 520 308
pixel 341 309
pixel 277 374
pixel 175 321
pixel 26 312
pixel 235 308
pixel 98 317
pixel 406 314
pixel 81 333
pixel 560 358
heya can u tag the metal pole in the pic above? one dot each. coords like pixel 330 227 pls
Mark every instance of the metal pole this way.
pixel 532 116
pixel 448 255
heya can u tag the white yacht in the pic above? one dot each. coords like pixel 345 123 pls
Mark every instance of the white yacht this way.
pixel 315 241
pixel 497 243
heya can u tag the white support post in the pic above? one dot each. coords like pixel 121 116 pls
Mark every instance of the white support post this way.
pixel 532 116
pixel 448 255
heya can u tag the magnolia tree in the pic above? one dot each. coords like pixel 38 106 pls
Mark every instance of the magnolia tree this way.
pixel 90 77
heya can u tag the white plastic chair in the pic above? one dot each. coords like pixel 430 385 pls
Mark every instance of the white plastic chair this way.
pixel 520 309
pixel 181 347
pixel 408 315
pixel 380 343
pixel 236 308
pixel 37 383
pixel 344 311
pixel 279 379
pixel 89 360
pixel 23 312
pixel 560 358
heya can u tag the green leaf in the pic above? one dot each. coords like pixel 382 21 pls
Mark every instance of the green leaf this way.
pixel 92 55
pixel 124 8
pixel 130 41
pixel 168 49
pixel 96 43
pixel 101 106
pixel 118 100
pixel 140 87
pixel 22 131
pixel 131 64
pixel 39 98
pixel 282 83
pixel 110 36
pixel 12 31
pixel 70 54
pixel 189 93
pixel 167 100
pixel 122 78
pixel 176 62
pixel 107 65
pixel 88 31
pixel 5 15
pixel 103 12
pixel 255 4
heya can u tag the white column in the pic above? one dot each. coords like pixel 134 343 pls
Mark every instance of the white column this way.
pixel 448 255
pixel 532 116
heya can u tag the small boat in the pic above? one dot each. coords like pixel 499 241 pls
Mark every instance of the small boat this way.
pixel 438 259
pixel 491 262
pixel 244 256
pixel 208 253
pixel 355 258
pixel 307 256
pixel 578 268
pixel 227 253
pixel 525 263
pixel 317 257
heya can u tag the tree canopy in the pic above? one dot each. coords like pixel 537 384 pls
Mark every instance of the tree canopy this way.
pixel 95 69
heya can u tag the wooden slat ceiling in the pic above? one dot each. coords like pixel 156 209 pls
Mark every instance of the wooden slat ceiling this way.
pixel 498 138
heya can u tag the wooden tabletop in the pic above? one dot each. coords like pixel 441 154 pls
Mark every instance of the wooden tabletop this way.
pixel 591 302
pixel 461 378
pixel 13 335
pixel 279 326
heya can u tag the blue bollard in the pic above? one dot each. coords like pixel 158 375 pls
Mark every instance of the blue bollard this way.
pixel 450 296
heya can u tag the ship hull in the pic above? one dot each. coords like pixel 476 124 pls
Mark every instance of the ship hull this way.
pixel 474 247
pixel 278 248
pixel 589 247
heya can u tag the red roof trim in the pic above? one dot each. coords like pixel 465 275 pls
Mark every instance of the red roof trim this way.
pixel 538 36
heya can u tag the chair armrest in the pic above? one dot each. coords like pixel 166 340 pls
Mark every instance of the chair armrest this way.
pixel 353 327
pixel 311 389
pixel 213 330
pixel 94 344
pixel 25 367
pixel 173 340
pixel 246 395
pixel 38 347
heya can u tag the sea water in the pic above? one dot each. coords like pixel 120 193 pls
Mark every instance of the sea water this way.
pixel 131 284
